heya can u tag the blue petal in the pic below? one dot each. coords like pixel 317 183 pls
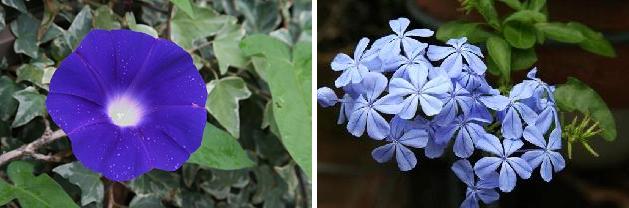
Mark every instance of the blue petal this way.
pixel 430 105
pixel 520 91
pixel 457 43
pixel 534 136
pixel 447 114
pixel 389 104
pixel 558 162
pixel 341 62
pixel 437 86
pixel 490 144
pixel 476 132
pixel 419 33
pixel 326 97
pixel 470 201
pixel 360 48
pixel 486 166
pixel 473 49
pixel 490 181
pixel 417 138
pixel 412 44
pixel 374 84
pixel 511 124
pixel 383 153
pixel 546 170
pixel 453 64
pixel 463 145
pixel 346 77
pixel 507 178
pixel 357 122
pixel 417 76
pixel 409 107
pixel 532 74
pixel 488 195
pixel 545 119
pixel 554 140
pixel 434 150
pixel 399 25
pixel 463 170
pixel 436 53
pixel 475 63
pixel 397 128
pixel 390 50
pixel 400 87
pixel 521 167
pixel 511 145
pixel 534 157
pixel 528 115
pixel 377 126
pixel 445 133
pixel 495 102
pixel 405 158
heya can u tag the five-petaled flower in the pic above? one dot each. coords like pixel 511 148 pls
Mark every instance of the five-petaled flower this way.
pixel 547 156
pixel 399 138
pixel 454 56
pixel 511 122
pixel 354 69
pixel 509 166
pixel 365 106
pixel 484 189
pixel 420 90
pixel 391 45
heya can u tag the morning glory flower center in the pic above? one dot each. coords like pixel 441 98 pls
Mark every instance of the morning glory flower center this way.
pixel 124 112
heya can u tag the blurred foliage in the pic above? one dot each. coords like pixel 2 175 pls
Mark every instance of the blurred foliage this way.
pixel 255 56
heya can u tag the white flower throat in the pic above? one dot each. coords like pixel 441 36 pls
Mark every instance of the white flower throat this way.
pixel 124 112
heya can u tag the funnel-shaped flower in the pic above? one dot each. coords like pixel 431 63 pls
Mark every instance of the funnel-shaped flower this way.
pixel 129 103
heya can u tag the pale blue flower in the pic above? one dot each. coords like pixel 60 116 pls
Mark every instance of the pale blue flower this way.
pixel 484 189
pixel 326 97
pixel 454 56
pixel 420 91
pixel 353 69
pixel 540 88
pixel 364 108
pixel 457 99
pixel 547 156
pixel 392 44
pixel 400 138
pixel 413 58
pixel 468 131
pixel 432 149
pixel 508 165
pixel 517 111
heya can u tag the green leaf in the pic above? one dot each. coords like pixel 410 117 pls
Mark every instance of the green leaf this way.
pixel 16 4
pixel 458 29
pixel 8 105
pixel 91 187
pixel 34 191
pixel 594 41
pixel 519 35
pixel 185 6
pixel 226 46
pixel 2 23
pixel 526 16
pixel 31 73
pixel 500 53
pixel 104 18
pixel 48 72
pixel 185 29
pixel 222 102
pixel 560 32
pixel 514 4
pixel 487 10
pixel 536 5
pixel 523 59
pixel 139 27
pixel 80 26
pixel 6 193
pixel 220 150
pixel 25 30
pixel 260 16
pixel 146 200
pixel 32 104
pixel 155 182
pixel 291 102
pixel 575 95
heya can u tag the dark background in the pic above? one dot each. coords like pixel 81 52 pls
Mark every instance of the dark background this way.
pixel 349 177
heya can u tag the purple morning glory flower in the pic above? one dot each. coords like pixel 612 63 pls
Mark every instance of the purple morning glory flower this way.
pixel 399 138
pixel 468 132
pixel 129 103
pixel 509 166
pixel 365 106
pixel 432 149
pixel 391 44
pixel 511 122
pixel 353 69
pixel 454 56
pixel 420 91
pixel 547 156
pixel 326 97
pixel 484 189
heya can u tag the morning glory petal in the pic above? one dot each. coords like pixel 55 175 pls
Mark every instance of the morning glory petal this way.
pixel 464 171
pixel 383 153
pixel 377 127
pixel 507 178
pixel 486 166
pixel 406 159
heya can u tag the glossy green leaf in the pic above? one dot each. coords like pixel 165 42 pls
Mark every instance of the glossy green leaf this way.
pixel 575 95
pixel 220 150
pixel 594 41
pixel 519 35
pixel 25 30
pixel 260 16
pixel 458 29
pixel 80 26
pixel 31 105
pixel 226 46
pixel 526 16
pixel 560 32
pixel 291 107
pixel 16 4
pixel 514 4
pixel 146 200
pixel 488 11
pixel 523 58
pixel 185 29
pixel 139 27
pixel 104 18
pixel 92 189
pixel 33 191
pixel 500 53
pixel 8 105
pixel 30 73
pixel 222 102
pixel 536 5
pixel 48 72
pixel 185 6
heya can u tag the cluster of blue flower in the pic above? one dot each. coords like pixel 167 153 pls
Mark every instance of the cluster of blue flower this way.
pixel 438 93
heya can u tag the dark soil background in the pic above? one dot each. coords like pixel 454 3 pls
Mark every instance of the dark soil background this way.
pixel 349 177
